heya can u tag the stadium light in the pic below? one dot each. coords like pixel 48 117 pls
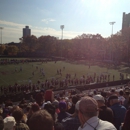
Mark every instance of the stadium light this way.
pixel 111 23
pixel 61 27
pixel 1 33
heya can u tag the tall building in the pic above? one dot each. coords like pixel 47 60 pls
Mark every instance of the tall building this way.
pixel 125 20
pixel 26 31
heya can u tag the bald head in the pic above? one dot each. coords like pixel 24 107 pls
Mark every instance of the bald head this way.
pixel 88 106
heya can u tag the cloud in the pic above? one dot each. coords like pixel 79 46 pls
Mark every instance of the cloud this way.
pixel 7 23
pixel 13 31
pixel 48 20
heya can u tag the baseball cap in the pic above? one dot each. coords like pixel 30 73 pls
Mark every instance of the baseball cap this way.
pixel 9 122
pixel 99 97
pixel 62 105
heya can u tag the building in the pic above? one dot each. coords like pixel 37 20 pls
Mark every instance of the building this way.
pixel 125 20
pixel 26 31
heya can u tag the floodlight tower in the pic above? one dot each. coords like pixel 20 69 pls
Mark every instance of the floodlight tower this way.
pixel 61 27
pixel 1 33
pixel 111 23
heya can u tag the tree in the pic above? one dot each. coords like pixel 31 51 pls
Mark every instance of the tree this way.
pixel 29 44
pixel 2 48
pixel 12 50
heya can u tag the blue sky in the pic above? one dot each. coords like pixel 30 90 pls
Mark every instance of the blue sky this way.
pixel 44 17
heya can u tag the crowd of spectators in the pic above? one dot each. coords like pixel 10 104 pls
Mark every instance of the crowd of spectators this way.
pixel 22 60
pixel 67 110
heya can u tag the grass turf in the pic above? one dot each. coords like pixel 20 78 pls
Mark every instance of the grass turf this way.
pixel 8 76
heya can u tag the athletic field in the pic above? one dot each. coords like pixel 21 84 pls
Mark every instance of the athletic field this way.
pixel 23 73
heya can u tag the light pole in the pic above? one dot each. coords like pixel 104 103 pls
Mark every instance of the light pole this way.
pixel 61 27
pixel 1 33
pixel 111 23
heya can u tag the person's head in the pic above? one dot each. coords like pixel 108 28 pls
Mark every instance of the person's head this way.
pixel 113 100
pixel 121 93
pixel 75 99
pixel 100 100
pixel 35 107
pixel 41 120
pixel 50 108
pixel 126 95
pixel 104 94
pixel 39 99
pixel 88 108
pixel 1 123
pixel 9 123
pixel 113 91
pixel 62 106
pixel 18 114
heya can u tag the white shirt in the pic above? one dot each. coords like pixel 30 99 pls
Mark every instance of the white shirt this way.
pixel 98 123
pixel 121 99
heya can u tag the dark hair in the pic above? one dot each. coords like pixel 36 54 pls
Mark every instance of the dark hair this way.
pixel 121 93
pixel 50 109
pixel 39 99
pixel 41 120
pixel 75 99
pixel 35 107
pixel 18 114
pixel 104 94
pixel 113 90
pixel 112 97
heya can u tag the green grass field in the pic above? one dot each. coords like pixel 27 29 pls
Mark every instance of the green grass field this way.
pixel 8 76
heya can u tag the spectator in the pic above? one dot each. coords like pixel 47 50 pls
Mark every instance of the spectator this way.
pixel 113 91
pixel 126 125
pixel 18 115
pixel 49 95
pixel 39 99
pixel 88 111
pixel 9 123
pixel 105 113
pixel 50 108
pixel 63 114
pixel 72 122
pixel 75 98
pixel 121 98
pixel 41 120
pixel 126 95
pixel 118 110
pixel 34 108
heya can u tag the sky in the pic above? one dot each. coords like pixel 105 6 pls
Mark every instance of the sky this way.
pixel 44 17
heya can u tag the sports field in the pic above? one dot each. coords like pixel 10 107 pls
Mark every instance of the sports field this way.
pixel 22 73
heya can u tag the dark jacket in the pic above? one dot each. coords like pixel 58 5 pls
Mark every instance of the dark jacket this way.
pixel 71 123
pixel 63 115
pixel 106 114
pixel 119 112
pixel 126 125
